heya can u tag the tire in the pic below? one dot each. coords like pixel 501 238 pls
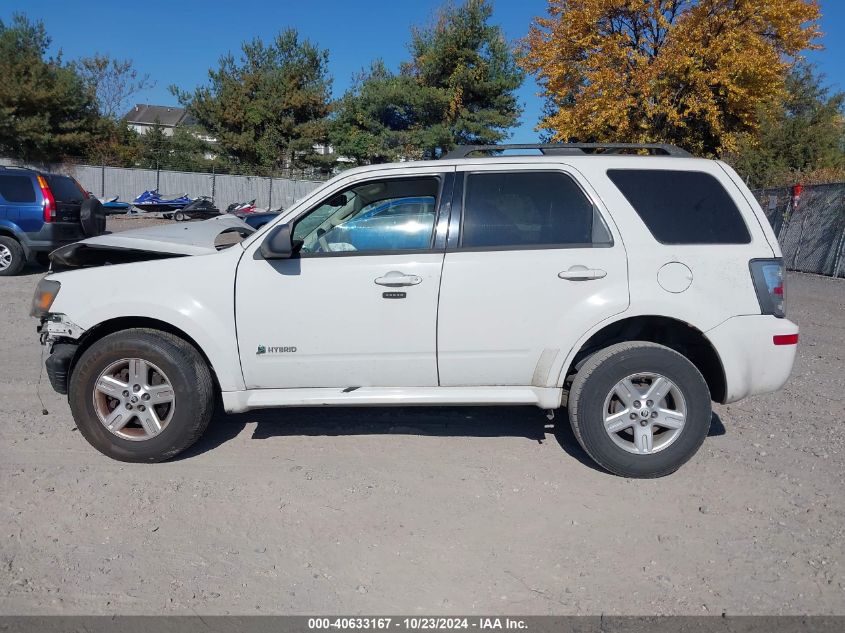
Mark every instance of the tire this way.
pixel 43 258
pixel 92 216
pixel 184 371
pixel 12 258
pixel 179 216
pixel 639 447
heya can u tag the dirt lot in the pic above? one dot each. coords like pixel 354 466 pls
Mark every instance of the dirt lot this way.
pixel 427 511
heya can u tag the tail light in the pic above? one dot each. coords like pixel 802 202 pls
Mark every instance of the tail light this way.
pixel 770 284
pixel 49 201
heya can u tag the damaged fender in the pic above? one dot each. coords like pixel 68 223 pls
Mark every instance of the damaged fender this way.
pixel 153 242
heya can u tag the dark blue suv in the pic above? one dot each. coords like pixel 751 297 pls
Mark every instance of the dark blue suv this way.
pixel 40 212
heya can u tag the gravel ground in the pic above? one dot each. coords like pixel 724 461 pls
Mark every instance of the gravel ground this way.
pixel 463 510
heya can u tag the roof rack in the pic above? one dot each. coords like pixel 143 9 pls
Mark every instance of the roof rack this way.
pixel 557 149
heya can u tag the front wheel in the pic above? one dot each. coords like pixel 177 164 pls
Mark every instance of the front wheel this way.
pixel 639 409
pixel 141 395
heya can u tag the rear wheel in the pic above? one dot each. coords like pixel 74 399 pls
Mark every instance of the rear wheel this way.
pixel 141 395
pixel 12 257
pixel 639 409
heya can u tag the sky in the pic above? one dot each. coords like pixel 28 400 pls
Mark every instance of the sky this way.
pixel 176 42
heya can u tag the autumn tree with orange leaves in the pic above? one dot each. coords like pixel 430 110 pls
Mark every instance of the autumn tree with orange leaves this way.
pixel 695 73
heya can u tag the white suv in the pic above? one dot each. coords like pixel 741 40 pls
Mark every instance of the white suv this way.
pixel 631 289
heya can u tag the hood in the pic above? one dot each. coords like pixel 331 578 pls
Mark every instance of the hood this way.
pixel 152 242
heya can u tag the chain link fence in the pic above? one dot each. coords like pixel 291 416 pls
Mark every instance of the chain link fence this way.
pixel 810 226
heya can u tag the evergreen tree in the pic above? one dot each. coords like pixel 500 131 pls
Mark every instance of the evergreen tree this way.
pixel 469 61
pixel 45 109
pixel 458 88
pixel 188 151
pixel 800 139
pixel 270 106
pixel 386 117
pixel 153 148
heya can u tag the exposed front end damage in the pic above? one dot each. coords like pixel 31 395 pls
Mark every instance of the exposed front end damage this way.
pixel 62 336
pixel 82 255
pixel 58 366
pixel 153 242
pixel 58 327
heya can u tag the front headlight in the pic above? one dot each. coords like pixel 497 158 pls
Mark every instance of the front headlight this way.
pixel 45 294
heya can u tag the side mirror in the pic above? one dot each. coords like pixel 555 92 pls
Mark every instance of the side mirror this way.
pixel 340 200
pixel 279 243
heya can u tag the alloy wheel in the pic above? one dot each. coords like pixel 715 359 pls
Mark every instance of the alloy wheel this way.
pixel 5 257
pixel 134 399
pixel 644 413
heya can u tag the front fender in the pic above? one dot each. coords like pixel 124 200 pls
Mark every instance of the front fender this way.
pixel 192 294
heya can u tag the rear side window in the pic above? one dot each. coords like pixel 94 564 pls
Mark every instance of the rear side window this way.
pixel 682 207
pixel 528 209
pixel 65 189
pixel 17 189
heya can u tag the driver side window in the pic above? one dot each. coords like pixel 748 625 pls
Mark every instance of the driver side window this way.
pixel 381 215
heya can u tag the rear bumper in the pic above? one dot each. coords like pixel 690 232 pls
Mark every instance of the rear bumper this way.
pixel 752 362
pixel 53 235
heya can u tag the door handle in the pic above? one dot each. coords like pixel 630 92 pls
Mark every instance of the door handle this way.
pixel 395 279
pixel 582 273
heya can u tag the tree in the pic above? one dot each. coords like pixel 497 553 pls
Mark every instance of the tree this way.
pixel 458 88
pixel 113 81
pixel 800 139
pixel 386 117
pixel 183 150
pixel 188 151
pixel 470 61
pixel 45 110
pixel 270 107
pixel 153 148
pixel 113 143
pixel 689 72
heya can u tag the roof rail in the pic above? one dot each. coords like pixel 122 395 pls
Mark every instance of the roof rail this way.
pixel 556 149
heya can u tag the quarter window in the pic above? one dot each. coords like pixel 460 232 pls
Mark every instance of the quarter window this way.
pixel 528 209
pixel 17 189
pixel 385 215
pixel 682 207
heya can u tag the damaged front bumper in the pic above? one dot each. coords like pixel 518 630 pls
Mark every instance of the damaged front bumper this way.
pixel 62 336
pixel 58 365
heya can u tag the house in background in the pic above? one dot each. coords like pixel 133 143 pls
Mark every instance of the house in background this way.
pixel 143 117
